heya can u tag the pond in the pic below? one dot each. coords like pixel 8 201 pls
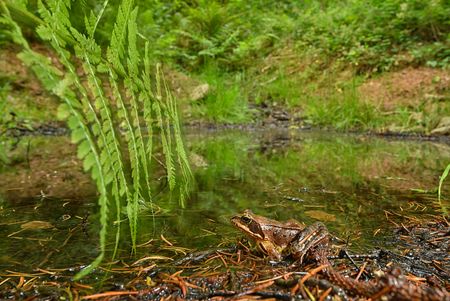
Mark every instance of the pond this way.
pixel 359 186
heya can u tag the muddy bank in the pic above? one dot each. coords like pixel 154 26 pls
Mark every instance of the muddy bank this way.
pixel 417 270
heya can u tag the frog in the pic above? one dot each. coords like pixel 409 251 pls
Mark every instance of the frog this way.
pixel 279 240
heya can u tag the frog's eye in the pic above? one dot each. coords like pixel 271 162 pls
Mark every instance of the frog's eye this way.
pixel 246 220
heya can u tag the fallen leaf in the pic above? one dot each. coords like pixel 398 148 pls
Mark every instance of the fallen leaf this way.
pixel 321 215
pixel 36 225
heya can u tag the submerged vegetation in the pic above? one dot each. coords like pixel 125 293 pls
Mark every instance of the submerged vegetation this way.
pixel 441 181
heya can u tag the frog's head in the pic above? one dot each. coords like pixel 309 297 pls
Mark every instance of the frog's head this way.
pixel 251 224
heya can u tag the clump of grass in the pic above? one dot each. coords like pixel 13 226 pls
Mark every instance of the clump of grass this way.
pixel 283 89
pixel 343 111
pixel 6 122
pixel 226 101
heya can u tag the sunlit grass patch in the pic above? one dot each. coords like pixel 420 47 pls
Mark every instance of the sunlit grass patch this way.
pixel 226 102
pixel 343 111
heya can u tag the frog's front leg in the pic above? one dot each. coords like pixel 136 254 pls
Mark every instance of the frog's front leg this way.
pixel 270 249
pixel 310 237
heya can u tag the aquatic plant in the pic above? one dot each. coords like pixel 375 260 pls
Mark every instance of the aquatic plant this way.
pixel 441 181
pixel 106 104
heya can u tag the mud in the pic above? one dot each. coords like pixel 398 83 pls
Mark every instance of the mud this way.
pixel 420 263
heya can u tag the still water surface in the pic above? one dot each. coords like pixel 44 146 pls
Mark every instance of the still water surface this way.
pixel 359 186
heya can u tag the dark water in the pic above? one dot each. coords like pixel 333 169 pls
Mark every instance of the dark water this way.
pixel 359 186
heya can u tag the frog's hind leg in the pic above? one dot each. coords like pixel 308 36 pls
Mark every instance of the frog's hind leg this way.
pixel 311 237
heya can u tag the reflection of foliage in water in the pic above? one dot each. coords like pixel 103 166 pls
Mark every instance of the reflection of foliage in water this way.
pixel 354 178
pixel 283 176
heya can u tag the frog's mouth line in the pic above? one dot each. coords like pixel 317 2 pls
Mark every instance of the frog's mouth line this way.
pixel 251 228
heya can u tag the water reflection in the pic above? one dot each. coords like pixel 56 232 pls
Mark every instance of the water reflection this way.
pixel 359 186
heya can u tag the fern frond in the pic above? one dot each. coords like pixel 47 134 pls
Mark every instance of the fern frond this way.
pixel 103 201
pixel 133 137
pixel 116 50
pixel 183 162
pixel 90 112
pixel 131 121
pixel 146 97
pixel 56 19
pixel 107 164
pixel 91 115
pixel 92 21
pixel 167 148
pixel 15 31
pixel 133 53
pixel 134 83
pixel 132 142
pixel 107 131
pixel 145 148
pixel 164 124
pixel 98 173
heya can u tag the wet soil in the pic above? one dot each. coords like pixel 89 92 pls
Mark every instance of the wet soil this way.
pixel 419 267
pixel 408 87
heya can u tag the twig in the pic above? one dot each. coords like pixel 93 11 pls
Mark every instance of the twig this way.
pixel 110 294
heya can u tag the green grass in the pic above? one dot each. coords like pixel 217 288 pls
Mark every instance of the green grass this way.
pixel 324 100
pixel 363 37
pixel 226 101
pixel 372 36
pixel 246 37
pixel 343 112
pixel 441 181
pixel 283 90
pixel 21 96
pixel 6 122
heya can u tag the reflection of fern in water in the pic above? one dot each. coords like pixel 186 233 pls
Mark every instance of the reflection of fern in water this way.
pixel 94 120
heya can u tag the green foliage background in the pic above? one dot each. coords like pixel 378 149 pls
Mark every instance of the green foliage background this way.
pixel 372 35
pixel 236 37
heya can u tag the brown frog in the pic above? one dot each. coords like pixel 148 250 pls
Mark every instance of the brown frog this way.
pixel 281 239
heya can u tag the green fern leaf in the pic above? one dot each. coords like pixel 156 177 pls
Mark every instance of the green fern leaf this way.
pixel 89 112
pixel 88 162
pixel 116 51
pixel 83 149
pixel 63 112
pixel 77 135
pixel 133 54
